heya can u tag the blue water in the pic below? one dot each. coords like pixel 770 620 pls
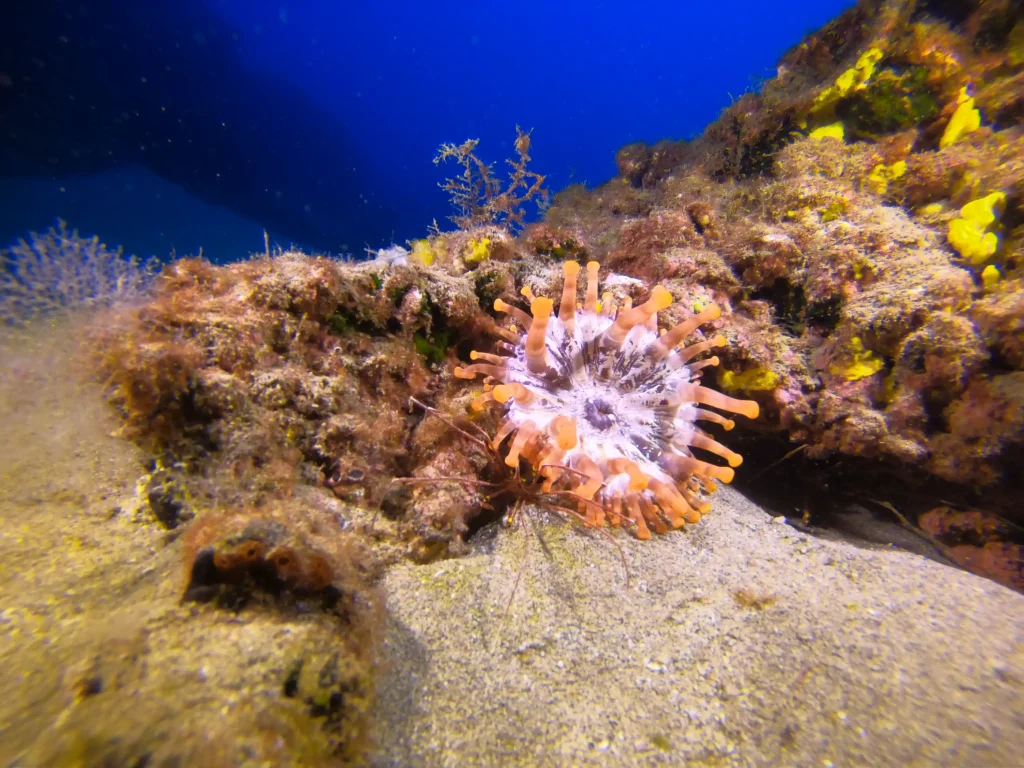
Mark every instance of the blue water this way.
pixel 198 123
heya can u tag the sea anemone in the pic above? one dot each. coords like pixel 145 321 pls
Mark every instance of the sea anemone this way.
pixel 604 407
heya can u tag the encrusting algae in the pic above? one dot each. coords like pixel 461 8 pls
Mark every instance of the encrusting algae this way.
pixel 597 400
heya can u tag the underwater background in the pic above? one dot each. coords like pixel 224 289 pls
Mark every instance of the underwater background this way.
pixel 178 125
pixel 495 385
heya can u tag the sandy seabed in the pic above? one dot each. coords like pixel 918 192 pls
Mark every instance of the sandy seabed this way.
pixel 739 641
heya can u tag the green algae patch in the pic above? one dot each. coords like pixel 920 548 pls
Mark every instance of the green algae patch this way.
pixel 435 346
pixel 893 101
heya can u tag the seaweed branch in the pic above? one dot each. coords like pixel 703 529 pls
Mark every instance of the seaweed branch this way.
pixel 479 195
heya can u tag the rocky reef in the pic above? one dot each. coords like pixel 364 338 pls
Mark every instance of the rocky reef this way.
pixel 862 216
pixel 858 220
pixel 850 240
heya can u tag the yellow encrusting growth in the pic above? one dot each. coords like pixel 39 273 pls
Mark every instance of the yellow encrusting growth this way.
pixel 990 277
pixel 974 233
pixel 966 119
pixel 603 406
pixel 857 77
pixel 823 110
pixel 422 252
pixel 860 364
pixel 881 175
pixel 834 130
pixel 478 251
pixel 854 79
pixel 752 380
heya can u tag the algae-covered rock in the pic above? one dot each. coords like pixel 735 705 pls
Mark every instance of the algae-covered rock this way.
pixel 103 661
pixel 866 201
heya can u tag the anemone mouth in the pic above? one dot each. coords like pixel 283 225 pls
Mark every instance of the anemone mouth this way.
pixel 600 414
pixel 605 407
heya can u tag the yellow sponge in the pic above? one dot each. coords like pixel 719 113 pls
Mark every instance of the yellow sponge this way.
pixel 965 120
pixel 972 233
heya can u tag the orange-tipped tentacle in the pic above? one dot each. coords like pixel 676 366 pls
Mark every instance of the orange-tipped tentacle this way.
pixel 526 430
pixel 480 402
pixel 471 371
pixel 668 341
pixel 633 504
pixel 508 334
pixel 506 428
pixel 627 319
pixel 697 394
pixel 711 362
pixel 552 473
pixel 702 441
pixel 590 305
pixel 699 507
pixel 567 309
pixel 563 430
pixel 592 512
pixel 607 304
pixel 534 447
pixel 715 418
pixel 514 391
pixel 690 352
pixel 488 358
pixel 637 479
pixel 552 453
pixel 651 515
pixel 521 317
pixel 681 467
pixel 536 339
pixel 590 469
pixel 672 502
pixel 614 510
